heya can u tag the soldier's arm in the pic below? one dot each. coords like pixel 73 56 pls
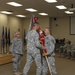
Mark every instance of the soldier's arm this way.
pixel 53 40
pixel 51 44
pixel 12 47
pixel 65 46
pixel 21 45
pixel 37 42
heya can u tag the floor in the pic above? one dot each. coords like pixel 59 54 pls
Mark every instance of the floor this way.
pixel 64 66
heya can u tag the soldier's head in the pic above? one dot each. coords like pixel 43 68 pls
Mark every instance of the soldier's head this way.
pixel 47 31
pixel 17 34
pixel 36 26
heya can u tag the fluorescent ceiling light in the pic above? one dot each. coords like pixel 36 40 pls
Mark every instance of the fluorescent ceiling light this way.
pixel 20 16
pixel 51 1
pixel 14 4
pixel 61 7
pixel 6 12
pixel 31 10
pixel 43 14
pixel 68 12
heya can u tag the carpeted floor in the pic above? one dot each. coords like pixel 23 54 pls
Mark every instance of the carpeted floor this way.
pixel 64 67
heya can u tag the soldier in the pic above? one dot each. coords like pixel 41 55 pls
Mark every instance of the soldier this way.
pixel 67 49
pixel 73 51
pixel 33 50
pixel 50 45
pixel 61 49
pixel 17 53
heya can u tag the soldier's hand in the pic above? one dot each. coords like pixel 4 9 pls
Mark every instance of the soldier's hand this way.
pixel 43 47
pixel 13 55
pixel 46 54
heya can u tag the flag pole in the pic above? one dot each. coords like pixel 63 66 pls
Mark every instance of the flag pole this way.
pixel 29 25
pixel 3 40
pixel 42 40
pixel 48 65
pixel 6 39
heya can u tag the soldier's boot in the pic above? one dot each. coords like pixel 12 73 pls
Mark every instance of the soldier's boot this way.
pixel 20 73
pixel 16 73
pixel 67 55
pixel 23 74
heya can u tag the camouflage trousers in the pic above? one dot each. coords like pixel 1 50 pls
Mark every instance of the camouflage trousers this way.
pixel 30 59
pixel 68 53
pixel 16 62
pixel 61 51
pixel 52 65
pixel 73 53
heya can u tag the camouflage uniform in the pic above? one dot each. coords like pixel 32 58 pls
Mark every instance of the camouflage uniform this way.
pixel 67 50
pixel 61 49
pixel 73 51
pixel 17 52
pixel 50 45
pixel 33 52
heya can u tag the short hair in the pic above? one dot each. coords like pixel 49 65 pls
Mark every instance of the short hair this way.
pixel 16 33
pixel 48 28
pixel 35 24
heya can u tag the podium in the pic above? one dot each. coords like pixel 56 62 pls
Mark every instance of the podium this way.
pixel 5 58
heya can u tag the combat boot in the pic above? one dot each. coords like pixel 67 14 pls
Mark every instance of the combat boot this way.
pixel 16 73
pixel 20 73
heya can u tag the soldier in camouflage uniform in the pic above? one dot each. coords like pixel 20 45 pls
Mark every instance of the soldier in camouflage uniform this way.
pixel 17 52
pixel 61 49
pixel 73 51
pixel 33 50
pixel 50 45
pixel 67 49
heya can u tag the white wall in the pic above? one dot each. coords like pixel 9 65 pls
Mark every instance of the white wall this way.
pixel 10 22
pixel 44 22
pixel 63 28
pixel 3 22
pixel 14 24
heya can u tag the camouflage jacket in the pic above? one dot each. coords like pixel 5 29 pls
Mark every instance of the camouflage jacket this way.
pixel 50 44
pixel 67 46
pixel 16 46
pixel 33 43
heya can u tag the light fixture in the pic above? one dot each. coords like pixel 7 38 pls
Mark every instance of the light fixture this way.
pixel 61 7
pixel 68 12
pixel 43 14
pixel 20 16
pixel 14 4
pixel 51 1
pixel 6 12
pixel 31 10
